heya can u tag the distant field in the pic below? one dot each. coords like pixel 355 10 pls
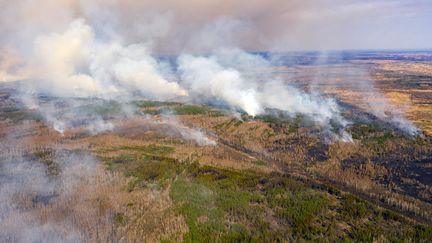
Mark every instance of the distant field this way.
pixel 173 171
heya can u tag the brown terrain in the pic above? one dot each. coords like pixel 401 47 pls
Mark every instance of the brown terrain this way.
pixel 123 200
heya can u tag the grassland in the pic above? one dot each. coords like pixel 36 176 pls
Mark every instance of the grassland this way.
pixel 269 178
pixel 379 163
pixel 229 205
pixel 158 107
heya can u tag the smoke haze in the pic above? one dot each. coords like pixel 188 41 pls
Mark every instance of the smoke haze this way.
pixel 251 25
pixel 109 52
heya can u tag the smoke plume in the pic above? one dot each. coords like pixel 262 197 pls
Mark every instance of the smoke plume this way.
pixel 117 49
pixel 56 203
pixel 226 76
pixel 73 63
pixel 83 62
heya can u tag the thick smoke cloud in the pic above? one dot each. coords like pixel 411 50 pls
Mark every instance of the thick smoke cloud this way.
pixel 207 78
pixel 224 76
pixel 116 49
pixel 34 202
pixel 111 49
pixel 74 63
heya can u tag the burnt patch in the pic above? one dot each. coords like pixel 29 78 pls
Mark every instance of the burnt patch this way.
pixel 318 152
pixel 44 199
pixel 354 160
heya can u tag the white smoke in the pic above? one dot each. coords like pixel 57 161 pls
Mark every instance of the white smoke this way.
pixel 74 63
pixel 26 189
pixel 187 133
pixel 359 80
pixel 204 76
pixel 382 108
pixel 99 125
pixel 81 61
pixel 388 112
pixel 226 75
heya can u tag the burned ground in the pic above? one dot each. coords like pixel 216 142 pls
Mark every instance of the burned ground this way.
pixel 256 178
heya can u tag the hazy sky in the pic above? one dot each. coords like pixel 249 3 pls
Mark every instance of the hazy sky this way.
pixel 174 26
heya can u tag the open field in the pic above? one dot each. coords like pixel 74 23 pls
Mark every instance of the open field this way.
pixel 173 172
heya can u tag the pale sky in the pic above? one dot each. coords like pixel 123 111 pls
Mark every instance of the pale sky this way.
pixel 174 26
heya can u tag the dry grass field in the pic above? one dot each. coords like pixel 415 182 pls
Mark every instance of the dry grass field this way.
pixel 174 172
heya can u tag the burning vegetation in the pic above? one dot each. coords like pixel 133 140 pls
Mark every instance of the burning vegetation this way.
pixel 137 121
pixel 169 171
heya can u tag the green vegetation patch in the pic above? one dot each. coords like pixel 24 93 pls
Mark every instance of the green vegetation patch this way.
pixel 104 108
pixel 359 131
pixel 233 206
pixel 354 208
pixel 196 110
pixel 227 205
pixel 154 107
pixel 152 149
pixel 149 104
pixel 152 112
pixel 150 166
pixel 260 162
pixel 282 124
pixel 227 124
pixel 45 157
pixel 271 119
pixel 372 134
pixel 120 219
pixel 16 115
